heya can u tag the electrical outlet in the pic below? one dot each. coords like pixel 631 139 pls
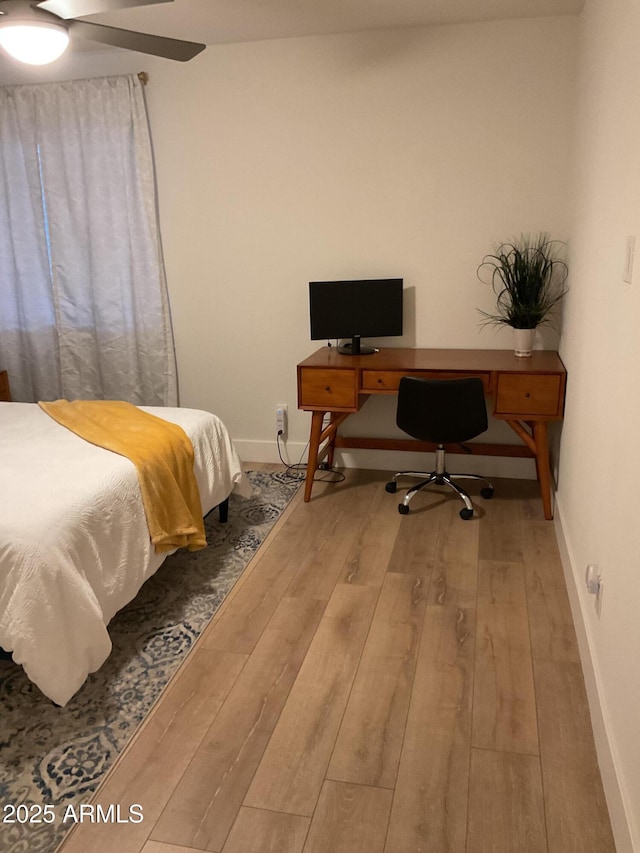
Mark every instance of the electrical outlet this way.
pixel 281 418
pixel 595 585
pixel 629 250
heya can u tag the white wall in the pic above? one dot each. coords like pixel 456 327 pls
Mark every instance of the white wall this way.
pixel 405 153
pixel 401 153
pixel 600 453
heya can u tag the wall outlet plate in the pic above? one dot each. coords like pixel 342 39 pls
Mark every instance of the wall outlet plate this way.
pixel 281 418
pixel 593 579
pixel 629 251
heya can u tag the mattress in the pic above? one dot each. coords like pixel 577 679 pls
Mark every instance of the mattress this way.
pixel 74 543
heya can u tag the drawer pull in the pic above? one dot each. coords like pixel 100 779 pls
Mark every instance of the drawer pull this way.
pixel 328 388
pixel 527 394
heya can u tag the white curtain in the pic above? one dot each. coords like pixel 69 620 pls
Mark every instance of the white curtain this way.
pixel 84 309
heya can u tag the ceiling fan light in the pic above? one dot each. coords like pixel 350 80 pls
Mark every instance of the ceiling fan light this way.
pixel 35 43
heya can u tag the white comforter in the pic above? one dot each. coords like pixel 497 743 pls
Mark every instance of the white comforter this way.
pixel 74 543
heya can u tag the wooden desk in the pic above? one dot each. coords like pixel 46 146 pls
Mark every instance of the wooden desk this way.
pixel 527 393
pixel 5 393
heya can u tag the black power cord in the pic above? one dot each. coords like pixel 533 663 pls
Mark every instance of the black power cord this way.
pixel 298 470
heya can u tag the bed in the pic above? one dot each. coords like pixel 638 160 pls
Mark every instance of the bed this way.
pixel 74 543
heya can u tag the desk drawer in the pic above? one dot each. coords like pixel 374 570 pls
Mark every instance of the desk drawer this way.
pixel 389 380
pixel 328 389
pixel 520 394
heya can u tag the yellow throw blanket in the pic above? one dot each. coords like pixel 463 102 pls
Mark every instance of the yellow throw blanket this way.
pixel 162 454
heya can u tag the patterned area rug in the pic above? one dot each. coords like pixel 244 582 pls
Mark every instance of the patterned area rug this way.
pixel 56 757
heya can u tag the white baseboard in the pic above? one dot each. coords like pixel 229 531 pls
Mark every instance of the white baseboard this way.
pixel 617 797
pixel 267 451
pixel 388 460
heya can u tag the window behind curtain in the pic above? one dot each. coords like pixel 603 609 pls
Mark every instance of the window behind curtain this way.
pixel 84 309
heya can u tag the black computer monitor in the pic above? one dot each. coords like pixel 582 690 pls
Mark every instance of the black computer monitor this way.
pixel 365 308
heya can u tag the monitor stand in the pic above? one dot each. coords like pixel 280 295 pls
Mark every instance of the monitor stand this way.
pixel 354 347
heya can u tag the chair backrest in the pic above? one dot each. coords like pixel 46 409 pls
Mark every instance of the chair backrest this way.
pixel 442 410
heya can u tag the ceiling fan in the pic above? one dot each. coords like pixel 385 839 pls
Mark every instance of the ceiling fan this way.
pixel 38 32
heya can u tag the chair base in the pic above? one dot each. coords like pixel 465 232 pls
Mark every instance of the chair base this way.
pixel 440 478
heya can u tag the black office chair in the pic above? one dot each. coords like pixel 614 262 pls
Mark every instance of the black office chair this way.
pixel 443 411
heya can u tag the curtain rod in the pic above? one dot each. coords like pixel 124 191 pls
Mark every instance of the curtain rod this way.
pixel 143 77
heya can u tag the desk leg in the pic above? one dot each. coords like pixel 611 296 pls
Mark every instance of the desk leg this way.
pixel 538 443
pixel 332 444
pixel 542 465
pixel 314 446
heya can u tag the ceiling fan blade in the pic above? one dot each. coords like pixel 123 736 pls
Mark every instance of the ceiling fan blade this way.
pixel 79 8
pixel 142 42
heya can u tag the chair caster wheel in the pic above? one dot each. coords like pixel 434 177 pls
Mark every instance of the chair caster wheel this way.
pixel 487 492
pixel 466 514
pixel 391 487
pixel 403 509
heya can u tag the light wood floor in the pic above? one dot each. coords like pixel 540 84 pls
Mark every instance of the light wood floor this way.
pixel 375 683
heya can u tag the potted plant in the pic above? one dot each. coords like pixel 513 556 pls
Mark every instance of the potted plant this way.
pixel 528 277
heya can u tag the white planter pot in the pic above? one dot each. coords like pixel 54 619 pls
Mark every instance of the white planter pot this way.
pixel 523 342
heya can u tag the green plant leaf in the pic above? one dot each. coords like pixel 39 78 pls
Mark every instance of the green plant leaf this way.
pixel 528 278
